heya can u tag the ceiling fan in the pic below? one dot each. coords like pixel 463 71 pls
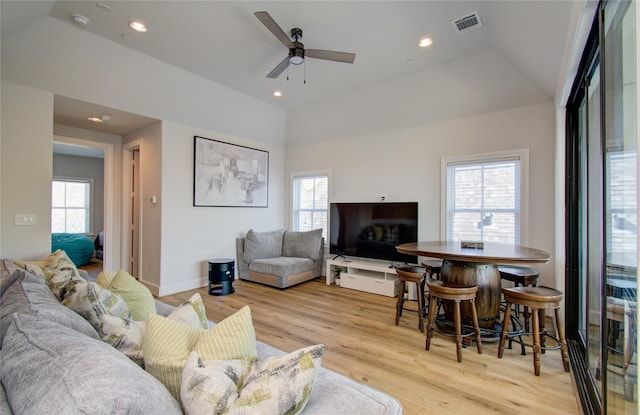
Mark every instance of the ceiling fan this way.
pixel 297 52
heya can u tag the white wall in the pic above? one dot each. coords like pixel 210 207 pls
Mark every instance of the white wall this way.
pixel 404 165
pixel 193 235
pixel 51 57
pixel 25 170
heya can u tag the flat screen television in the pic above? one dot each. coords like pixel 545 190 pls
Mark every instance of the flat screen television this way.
pixel 372 230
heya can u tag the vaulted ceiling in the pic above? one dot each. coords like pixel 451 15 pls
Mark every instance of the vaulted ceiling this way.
pixel 224 42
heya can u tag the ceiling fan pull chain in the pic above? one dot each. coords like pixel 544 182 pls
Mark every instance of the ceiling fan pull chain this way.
pixel 304 71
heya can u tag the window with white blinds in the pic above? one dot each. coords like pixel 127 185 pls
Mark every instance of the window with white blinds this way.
pixel 484 196
pixel 310 197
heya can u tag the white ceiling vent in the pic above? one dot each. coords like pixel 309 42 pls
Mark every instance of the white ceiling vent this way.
pixel 468 23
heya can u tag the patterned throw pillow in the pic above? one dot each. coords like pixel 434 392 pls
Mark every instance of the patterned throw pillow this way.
pixel 191 312
pixel 127 335
pixel 137 296
pixel 57 270
pixel 278 385
pixel 92 301
pixel 167 345
pixel 211 387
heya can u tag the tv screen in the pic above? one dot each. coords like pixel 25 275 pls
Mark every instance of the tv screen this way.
pixel 372 230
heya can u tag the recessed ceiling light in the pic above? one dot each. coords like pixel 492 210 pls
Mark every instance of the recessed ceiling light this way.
pixel 102 118
pixel 79 19
pixel 277 93
pixel 138 26
pixel 425 42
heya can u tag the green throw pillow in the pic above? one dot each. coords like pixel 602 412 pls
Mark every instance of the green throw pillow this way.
pixel 104 279
pixel 167 345
pixel 137 296
pixel 275 386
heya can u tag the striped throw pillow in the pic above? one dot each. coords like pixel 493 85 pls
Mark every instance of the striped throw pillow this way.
pixel 104 279
pixel 167 345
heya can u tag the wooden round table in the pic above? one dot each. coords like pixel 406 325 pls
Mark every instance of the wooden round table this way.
pixel 476 267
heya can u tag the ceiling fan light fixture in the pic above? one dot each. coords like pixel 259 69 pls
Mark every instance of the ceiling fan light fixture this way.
pixel 296 53
pixel 296 60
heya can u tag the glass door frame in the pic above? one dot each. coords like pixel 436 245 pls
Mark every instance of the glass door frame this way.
pixel 586 385
pixel 593 393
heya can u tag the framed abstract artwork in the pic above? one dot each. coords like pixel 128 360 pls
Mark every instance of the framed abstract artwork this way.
pixel 226 174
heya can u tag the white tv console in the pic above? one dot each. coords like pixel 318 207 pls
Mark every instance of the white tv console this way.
pixel 370 276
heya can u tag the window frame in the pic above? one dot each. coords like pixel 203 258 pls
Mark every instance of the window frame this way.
pixel 89 217
pixel 303 175
pixel 480 158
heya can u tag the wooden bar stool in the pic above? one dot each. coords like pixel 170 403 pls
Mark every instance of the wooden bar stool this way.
pixel 411 274
pixel 521 277
pixel 538 299
pixel 456 293
pixel 432 266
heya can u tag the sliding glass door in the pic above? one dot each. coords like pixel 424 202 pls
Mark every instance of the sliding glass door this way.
pixel 602 214
pixel 621 206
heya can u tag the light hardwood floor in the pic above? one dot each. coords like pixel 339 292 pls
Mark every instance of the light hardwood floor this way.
pixel 363 343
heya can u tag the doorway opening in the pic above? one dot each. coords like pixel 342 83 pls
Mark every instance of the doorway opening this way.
pixel 68 146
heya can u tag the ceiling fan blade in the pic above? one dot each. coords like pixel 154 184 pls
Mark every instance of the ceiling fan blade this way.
pixel 330 55
pixel 279 69
pixel 273 27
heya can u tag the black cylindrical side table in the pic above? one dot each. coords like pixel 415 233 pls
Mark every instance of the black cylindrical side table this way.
pixel 221 274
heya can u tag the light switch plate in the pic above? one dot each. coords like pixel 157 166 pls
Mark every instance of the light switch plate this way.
pixel 25 220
